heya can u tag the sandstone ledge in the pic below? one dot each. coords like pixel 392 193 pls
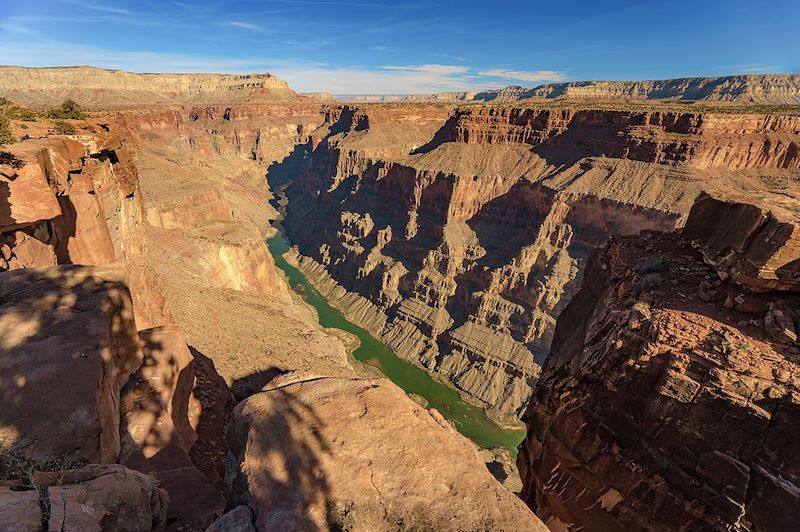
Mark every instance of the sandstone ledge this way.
pixel 343 453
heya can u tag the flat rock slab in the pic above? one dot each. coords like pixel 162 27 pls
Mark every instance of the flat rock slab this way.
pixel 26 196
pixel 754 241
pixel 19 510
pixel 359 454
pixel 240 519
pixel 68 344
pixel 107 498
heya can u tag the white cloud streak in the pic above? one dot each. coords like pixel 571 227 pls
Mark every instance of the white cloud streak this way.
pixel 430 69
pixel 98 7
pixel 243 25
pixel 534 76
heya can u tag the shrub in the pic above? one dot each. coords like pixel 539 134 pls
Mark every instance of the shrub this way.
pixel 68 109
pixel 650 281
pixel 11 160
pixel 64 128
pixel 654 264
pixel 5 131
pixel 18 113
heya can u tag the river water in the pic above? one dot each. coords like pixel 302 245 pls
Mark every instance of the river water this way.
pixel 470 420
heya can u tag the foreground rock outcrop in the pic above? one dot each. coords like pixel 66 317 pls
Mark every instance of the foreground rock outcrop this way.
pixel 93 498
pixel 341 454
pixel 68 344
pixel 671 397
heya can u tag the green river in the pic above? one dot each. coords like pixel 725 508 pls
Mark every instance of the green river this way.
pixel 470 421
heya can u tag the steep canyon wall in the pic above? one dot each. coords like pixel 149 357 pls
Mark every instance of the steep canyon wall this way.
pixel 458 235
pixel 139 302
pixel 670 398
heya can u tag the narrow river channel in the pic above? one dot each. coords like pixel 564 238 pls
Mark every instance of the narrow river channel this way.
pixel 470 421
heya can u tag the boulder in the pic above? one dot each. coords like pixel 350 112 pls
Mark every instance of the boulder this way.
pixel 25 194
pixel 26 251
pixel 754 241
pixel 240 519
pixel 159 416
pixel 67 346
pixel 98 498
pixel 335 453
pixel 88 499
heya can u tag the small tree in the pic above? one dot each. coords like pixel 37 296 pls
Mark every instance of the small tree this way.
pixel 5 131
pixel 64 128
pixel 68 109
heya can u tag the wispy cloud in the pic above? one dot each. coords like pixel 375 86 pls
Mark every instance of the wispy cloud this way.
pixel 34 20
pixel 430 69
pixel 16 28
pixel 244 25
pixel 99 7
pixel 379 48
pixel 448 56
pixel 41 54
pixel 532 76
pixel 759 69
pixel 396 5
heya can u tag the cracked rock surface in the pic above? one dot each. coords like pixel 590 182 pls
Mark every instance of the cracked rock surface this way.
pixel 668 404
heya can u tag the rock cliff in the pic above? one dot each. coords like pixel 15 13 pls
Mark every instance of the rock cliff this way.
pixel 670 400
pixel 459 234
pixel 770 89
pixel 99 88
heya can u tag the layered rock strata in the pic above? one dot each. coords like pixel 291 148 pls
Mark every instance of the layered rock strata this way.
pixel 458 235
pixel 772 89
pixel 670 397
pixel 173 201
pixel 113 89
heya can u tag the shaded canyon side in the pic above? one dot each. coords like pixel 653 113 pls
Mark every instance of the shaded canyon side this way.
pixel 671 397
pixel 457 235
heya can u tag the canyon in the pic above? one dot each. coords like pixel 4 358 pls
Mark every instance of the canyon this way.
pixel 618 280
pixel 458 235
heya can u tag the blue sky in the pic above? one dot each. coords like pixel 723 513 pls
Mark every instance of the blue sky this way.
pixel 418 46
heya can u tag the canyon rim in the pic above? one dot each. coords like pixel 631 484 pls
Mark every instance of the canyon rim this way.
pixel 395 283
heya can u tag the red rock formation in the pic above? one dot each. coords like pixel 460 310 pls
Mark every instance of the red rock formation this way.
pixel 755 246
pixel 160 414
pixel 460 246
pixel 68 344
pixel 326 453
pixel 108 497
pixel 671 396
